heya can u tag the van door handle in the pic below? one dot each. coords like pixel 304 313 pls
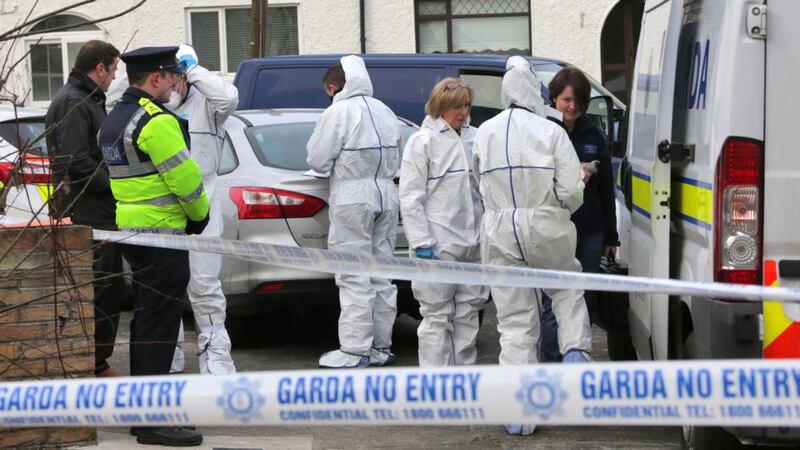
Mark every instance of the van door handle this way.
pixel 673 151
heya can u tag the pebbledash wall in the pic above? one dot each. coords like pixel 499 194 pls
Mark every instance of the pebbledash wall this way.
pixel 46 319
pixel 564 29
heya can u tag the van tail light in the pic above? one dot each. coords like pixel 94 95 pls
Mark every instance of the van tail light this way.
pixel 738 212
pixel 268 203
pixel 34 171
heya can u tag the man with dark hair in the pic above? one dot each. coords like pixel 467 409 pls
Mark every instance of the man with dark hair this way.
pixel 357 141
pixel 81 182
pixel 159 190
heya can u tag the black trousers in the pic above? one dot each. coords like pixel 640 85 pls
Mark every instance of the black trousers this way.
pixel 160 277
pixel 109 293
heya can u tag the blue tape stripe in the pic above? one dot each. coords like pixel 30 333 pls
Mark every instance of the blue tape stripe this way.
pixel 693 221
pixel 641 175
pixel 517 167
pixel 449 172
pixel 693 182
pixel 641 211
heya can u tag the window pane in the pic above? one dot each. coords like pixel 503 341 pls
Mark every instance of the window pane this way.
pixel 282 146
pixel 46 70
pixel 489 6
pixel 433 37
pixel 227 158
pixel 237 36
pixel 486 103
pixel 431 7
pixel 205 39
pixel 72 52
pixel 282 24
pixel 28 129
pixel 509 35
pixel 64 20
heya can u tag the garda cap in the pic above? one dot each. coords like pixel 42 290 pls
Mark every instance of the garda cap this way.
pixel 151 59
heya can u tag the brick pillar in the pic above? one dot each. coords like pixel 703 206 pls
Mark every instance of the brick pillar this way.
pixel 46 318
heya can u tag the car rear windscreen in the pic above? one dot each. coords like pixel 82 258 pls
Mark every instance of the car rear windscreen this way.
pixel 29 131
pixel 283 146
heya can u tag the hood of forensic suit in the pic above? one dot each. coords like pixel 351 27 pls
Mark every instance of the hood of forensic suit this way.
pixel 522 87
pixel 357 81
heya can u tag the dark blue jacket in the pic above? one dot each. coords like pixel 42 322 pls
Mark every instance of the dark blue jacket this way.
pixel 598 212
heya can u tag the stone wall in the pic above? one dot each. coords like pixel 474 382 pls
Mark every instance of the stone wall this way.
pixel 46 318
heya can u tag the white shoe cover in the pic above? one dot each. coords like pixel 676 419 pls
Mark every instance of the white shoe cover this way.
pixel 520 430
pixel 338 359
pixel 382 357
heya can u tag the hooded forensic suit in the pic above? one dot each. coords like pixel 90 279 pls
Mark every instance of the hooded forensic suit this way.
pixel 357 141
pixel 442 210
pixel 209 101
pixel 531 181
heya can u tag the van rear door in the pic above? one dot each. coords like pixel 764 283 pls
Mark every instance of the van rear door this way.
pixel 782 180
pixel 651 119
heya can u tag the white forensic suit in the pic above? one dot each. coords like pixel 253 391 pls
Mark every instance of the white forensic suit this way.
pixel 531 181
pixel 209 101
pixel 357 141
pixel 442 209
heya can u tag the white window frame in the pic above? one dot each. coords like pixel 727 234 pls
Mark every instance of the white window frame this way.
pixel 62 38
pixel 223 39
pixel 223 44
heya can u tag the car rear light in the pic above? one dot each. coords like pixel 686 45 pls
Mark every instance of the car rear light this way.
pixel 269 287
pixel 268 203
pixel 33 172
pixel 738 212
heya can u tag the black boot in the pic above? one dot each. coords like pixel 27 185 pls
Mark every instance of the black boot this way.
pixel 171 436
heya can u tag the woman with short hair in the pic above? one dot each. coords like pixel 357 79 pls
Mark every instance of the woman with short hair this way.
pixel 441 210
pixel 596 219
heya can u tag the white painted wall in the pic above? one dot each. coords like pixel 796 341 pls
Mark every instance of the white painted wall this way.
pixel 570 30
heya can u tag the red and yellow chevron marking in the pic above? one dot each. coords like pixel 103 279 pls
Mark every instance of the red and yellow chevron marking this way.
pixel 781 335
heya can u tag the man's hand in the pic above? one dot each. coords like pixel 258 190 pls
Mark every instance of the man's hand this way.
pixel 610 252
pixel 193 227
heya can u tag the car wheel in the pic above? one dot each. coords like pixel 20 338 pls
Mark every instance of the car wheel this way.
pixel 704 438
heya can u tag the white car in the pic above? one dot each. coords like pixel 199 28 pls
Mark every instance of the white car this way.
pixel 267 197
pixel 24 181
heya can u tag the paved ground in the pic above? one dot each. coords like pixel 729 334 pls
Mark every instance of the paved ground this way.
pixel 294 341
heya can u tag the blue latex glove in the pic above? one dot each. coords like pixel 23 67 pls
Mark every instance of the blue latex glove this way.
pixel 187 62
pixel 425 253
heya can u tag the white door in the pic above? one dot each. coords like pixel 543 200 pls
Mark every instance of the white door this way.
pixel 651 118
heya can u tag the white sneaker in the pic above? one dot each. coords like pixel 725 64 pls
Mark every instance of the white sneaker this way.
pixel 338 359
pixel 520 430
pixel 382 357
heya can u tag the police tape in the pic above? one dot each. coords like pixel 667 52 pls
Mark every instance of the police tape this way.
pixel 707 393
pixel 415 269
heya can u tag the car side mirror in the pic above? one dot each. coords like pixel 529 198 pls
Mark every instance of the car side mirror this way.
pixel 600 111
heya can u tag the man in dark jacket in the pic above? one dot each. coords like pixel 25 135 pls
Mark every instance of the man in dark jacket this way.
pixel 81 183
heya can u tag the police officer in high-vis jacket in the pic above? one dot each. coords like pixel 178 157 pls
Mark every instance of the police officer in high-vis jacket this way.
pixel 158 189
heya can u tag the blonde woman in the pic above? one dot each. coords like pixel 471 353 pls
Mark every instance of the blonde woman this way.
pixel 442 210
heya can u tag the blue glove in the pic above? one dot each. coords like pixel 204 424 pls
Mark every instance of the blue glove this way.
pixel 425 253
pixel 187 62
